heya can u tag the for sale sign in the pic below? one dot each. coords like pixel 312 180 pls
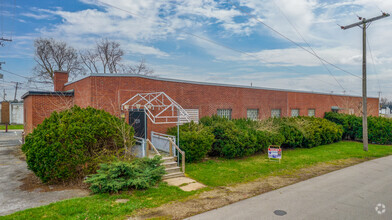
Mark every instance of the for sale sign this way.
pixel 274 152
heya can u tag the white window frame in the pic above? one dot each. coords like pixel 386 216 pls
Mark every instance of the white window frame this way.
pixel 252 113
pixel 224 113
pixel 273 113
pixel 293 110
pixel 314 112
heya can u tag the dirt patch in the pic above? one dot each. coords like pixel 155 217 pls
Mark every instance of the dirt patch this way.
pixel 221 196
pixel 18 153
pixel 32 183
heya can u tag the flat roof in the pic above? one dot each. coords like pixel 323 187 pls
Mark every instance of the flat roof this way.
pixel 204 83
pixel 66 93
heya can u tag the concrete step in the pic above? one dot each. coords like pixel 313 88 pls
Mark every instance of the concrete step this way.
pixel 173 170
pixel 168 159
pixel 169 164
pixel 173 175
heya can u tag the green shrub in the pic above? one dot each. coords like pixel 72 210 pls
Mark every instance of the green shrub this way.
pixel 245 137
pixel 195 139
pixel 379 128
pixel 210 120
pixel 305 132
pixel 238 138
pixel 352 125
pixel 141 173
pixel 70 144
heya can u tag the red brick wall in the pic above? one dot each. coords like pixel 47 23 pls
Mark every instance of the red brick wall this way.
pixel 82 92
pixel 110 92
pixel 5 113
pixel 323 103
pixel 28 114
pixel 39 107
pixel 59 79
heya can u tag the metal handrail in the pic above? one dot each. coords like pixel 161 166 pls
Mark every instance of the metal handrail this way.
pixel 149 144
pixel 180 151
pixel 142 143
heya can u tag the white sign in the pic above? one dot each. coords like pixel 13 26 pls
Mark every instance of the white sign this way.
pixel 274 152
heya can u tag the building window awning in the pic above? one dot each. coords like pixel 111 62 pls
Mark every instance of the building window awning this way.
pixel 336 108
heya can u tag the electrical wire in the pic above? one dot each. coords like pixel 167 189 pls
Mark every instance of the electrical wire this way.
pixel 374 64
pixel 207 40
pixel 287 38
pixel 296 30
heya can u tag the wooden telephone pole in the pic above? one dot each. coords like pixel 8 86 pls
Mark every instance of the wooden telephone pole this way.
pixel 364 24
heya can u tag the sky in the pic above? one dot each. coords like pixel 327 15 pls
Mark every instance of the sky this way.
pixel 265 43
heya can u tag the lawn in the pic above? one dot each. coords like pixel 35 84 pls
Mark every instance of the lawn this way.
pixel 10 127
pixel 214 172
pixel 222 172
pixel 103 206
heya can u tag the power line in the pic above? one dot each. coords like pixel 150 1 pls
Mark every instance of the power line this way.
pixel 208 40
pixel 296 30
pixel 285 37
pixel 30 79
pixel 374 64
pixel 14 74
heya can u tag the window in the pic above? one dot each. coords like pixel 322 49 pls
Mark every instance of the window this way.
pixel 275 113
pixel 252 114
pixel 311 112
pixel 225 113
pixel 294 112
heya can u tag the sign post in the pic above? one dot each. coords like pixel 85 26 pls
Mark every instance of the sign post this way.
pixel 274 152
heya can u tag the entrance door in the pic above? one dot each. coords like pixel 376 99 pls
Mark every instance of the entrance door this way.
pixel 137 118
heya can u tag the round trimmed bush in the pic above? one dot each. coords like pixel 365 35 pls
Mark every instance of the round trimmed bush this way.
pixel 70 144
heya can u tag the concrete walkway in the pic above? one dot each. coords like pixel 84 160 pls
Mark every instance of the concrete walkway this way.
pixel 185 183
pixel 363 191
pixel 12 170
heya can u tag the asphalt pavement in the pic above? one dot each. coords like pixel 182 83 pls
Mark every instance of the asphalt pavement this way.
pixel 13 170
pixel 363 191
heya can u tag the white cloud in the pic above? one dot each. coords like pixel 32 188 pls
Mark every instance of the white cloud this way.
pixel 37 16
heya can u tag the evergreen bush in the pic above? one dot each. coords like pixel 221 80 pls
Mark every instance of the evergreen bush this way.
pixel 379 128
pixel 195 140
pixel 141 173
pixel 70 144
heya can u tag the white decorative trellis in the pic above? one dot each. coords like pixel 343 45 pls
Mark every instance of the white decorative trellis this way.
pixel 159 108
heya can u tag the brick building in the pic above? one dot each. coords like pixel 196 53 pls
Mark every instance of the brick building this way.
pixel 109 91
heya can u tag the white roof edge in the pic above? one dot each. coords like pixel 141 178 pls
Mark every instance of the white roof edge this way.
pixel 206 83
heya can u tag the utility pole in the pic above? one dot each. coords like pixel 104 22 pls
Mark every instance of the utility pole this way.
pixel 16 90
pixel 364 24
pixel 379 101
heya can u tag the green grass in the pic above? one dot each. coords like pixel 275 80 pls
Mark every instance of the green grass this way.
pixel 212 173
pixel 2 127
pixel 103 206
pixel 222 172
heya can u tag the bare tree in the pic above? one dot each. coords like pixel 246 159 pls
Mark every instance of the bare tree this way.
pixel 90 60
pixel 106 57
pixel 140 68
pixel 383 102
pixel 51 55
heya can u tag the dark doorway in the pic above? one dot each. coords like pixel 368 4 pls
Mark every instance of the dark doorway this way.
pixel 137 118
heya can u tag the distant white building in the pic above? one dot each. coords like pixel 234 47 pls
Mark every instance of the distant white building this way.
pixel 11 112
pixel 385 111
